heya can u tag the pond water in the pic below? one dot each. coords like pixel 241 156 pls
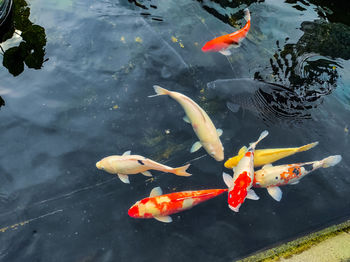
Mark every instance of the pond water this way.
pixel 74 89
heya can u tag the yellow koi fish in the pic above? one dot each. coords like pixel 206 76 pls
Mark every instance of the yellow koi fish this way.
pixel 267 156
pixel 201 123
pixel 127 164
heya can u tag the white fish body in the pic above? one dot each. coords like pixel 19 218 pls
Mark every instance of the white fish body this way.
pixel 202 125
pixel 127 164
pixel 271 177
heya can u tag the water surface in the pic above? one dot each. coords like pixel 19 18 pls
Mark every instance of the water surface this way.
pixel 79 93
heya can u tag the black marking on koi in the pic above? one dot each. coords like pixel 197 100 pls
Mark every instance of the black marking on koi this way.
pixel 140 162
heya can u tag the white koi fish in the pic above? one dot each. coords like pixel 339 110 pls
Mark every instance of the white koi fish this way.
pixel 271 177
pixel 201 123
pixel 239 186
pixel 127 164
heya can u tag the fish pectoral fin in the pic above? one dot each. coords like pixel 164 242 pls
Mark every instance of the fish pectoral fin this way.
pixel 124 178
pixel 127 153
pixel 219 131
pixel 232 107
pixel 166 219
pixel 267 166
pixel 227 179
pixel 252 195
pixel 295 182
pixel 186 119
pixel 146 173
pixel 243 150
pixel 225 52
pixel 234 169
pixel 275 192
pixel 236 45
pixel 157 191
pixel 196 146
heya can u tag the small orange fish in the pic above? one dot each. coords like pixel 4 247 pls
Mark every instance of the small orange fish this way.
pixel 223 43
pixel 160 206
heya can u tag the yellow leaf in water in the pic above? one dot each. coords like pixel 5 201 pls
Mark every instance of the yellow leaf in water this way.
pixel 196 43
pixel 202 91
pixel 115 107
pixel 334 67
pixel 122 39
pixel 181 45
pixel 174 39
pixel 346 130
pixel 138 39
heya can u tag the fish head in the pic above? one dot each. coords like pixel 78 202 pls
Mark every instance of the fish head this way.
pixel 134 210
pixel 215 45
pixel 106 165
pixel 216 151
pixel 239 191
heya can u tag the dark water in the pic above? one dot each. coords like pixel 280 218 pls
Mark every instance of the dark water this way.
pixel 75 90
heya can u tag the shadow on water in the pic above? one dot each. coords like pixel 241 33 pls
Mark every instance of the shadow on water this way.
pixel 22 42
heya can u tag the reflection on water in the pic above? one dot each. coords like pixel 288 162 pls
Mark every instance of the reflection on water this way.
pixel 31 50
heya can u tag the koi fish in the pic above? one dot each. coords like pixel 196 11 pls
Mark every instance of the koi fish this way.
pixel 268 156
pixel 271 177
pixel 223 43
pixel 202 125
pixel 127 164
pixel 160 206
pixel 239 186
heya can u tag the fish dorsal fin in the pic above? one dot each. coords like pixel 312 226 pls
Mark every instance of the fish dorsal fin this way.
pixel 195 147
pixel 166 219
pixel 157 191
pixel 219 131
pixel 186 119
pixel 243 150
pixel 124 178
pixel 146 173
pixel 275 192
pixel 227 179
pixel 267 166
pixel 252 195
pixel 127 153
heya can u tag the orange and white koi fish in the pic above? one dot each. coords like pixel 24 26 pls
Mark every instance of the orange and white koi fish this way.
pixel 239 186
pixel 160 206
pixel 202 125
pixel 271 177
pixel 127 164
pixel 223 43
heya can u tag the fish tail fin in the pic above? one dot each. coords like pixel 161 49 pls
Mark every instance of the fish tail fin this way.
pixel 331 161
pixel 160 91
pixel 246 14
pixel 307 147
pixel 181 171
pixel 261 137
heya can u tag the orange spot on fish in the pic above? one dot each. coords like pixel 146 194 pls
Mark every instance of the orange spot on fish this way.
pixel 239 192
pixel 248 154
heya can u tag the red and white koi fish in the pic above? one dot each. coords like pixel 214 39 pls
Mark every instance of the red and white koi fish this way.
pixel 127 164
pixel 160 206
pixel 201 123
pixel 271 177
pixel 223 43
pixel 239 186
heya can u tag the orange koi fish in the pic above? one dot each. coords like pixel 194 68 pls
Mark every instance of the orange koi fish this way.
pixel 239 186
pixel 271 177
pixel 223 43
pixel 160 206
